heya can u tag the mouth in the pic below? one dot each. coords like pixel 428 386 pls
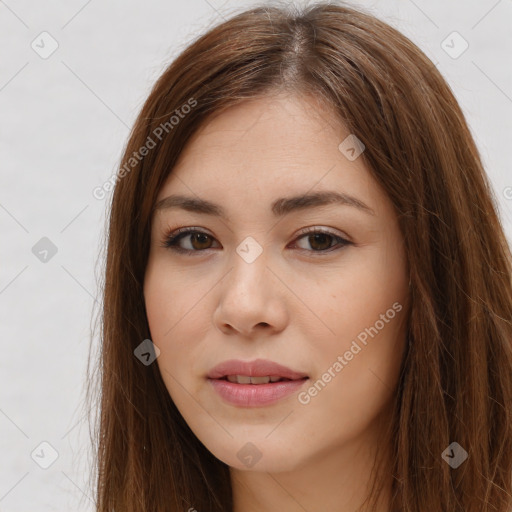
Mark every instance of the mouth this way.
pixel 245 391
pixel 256 369
pixel 246 379
pixel 257 383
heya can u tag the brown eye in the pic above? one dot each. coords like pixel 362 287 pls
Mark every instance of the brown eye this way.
pixel 195 241
pixel 320 241
pixel 201 239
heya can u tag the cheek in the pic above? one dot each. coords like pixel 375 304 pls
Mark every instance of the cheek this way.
pixel 175 309
pixel 358 362
pixel 353 296
pixel 357 374
pixel 173 299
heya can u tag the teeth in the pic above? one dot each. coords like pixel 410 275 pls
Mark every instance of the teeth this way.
pixel 258 380
pixel 244 379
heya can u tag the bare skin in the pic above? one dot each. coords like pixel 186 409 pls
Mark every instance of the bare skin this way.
pixel 302 303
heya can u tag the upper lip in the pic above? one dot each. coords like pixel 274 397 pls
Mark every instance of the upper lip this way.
pixel 255 368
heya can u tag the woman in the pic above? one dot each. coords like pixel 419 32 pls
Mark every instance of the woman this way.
pixel 308 292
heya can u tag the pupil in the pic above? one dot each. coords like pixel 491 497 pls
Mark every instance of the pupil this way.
pixel 197 237
pixel 318 237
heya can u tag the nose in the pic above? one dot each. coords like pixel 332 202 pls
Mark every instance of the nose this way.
pixel 251 299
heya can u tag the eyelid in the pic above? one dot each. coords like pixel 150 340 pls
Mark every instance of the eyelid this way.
pixel 320 229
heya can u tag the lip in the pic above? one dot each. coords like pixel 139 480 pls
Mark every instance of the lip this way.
pixel 256 368
pixel 255 395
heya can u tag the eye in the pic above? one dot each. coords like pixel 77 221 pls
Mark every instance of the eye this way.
pixel 321 240
pixel 196 241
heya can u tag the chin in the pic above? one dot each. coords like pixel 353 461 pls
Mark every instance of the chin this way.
pixel 260 456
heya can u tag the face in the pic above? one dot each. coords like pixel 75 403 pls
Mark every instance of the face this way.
pixel 318 287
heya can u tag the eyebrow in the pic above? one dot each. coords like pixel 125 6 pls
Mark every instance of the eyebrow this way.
pixel 279 208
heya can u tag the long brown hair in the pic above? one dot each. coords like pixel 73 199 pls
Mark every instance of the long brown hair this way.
pixel 456 377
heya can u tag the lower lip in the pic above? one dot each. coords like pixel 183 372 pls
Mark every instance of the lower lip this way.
pixel 254 395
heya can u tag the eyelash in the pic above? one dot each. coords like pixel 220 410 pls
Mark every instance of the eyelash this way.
pixel 171 240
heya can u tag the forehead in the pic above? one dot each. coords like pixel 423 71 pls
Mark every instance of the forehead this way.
pixel 265 136
pixel 266 148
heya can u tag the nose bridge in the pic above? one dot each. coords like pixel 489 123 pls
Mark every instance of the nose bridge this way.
pixel 250 250
pixel 249 298
pixel 249 262
pixel 248 286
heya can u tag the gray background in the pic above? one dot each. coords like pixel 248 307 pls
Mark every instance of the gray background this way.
pixel 64 122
